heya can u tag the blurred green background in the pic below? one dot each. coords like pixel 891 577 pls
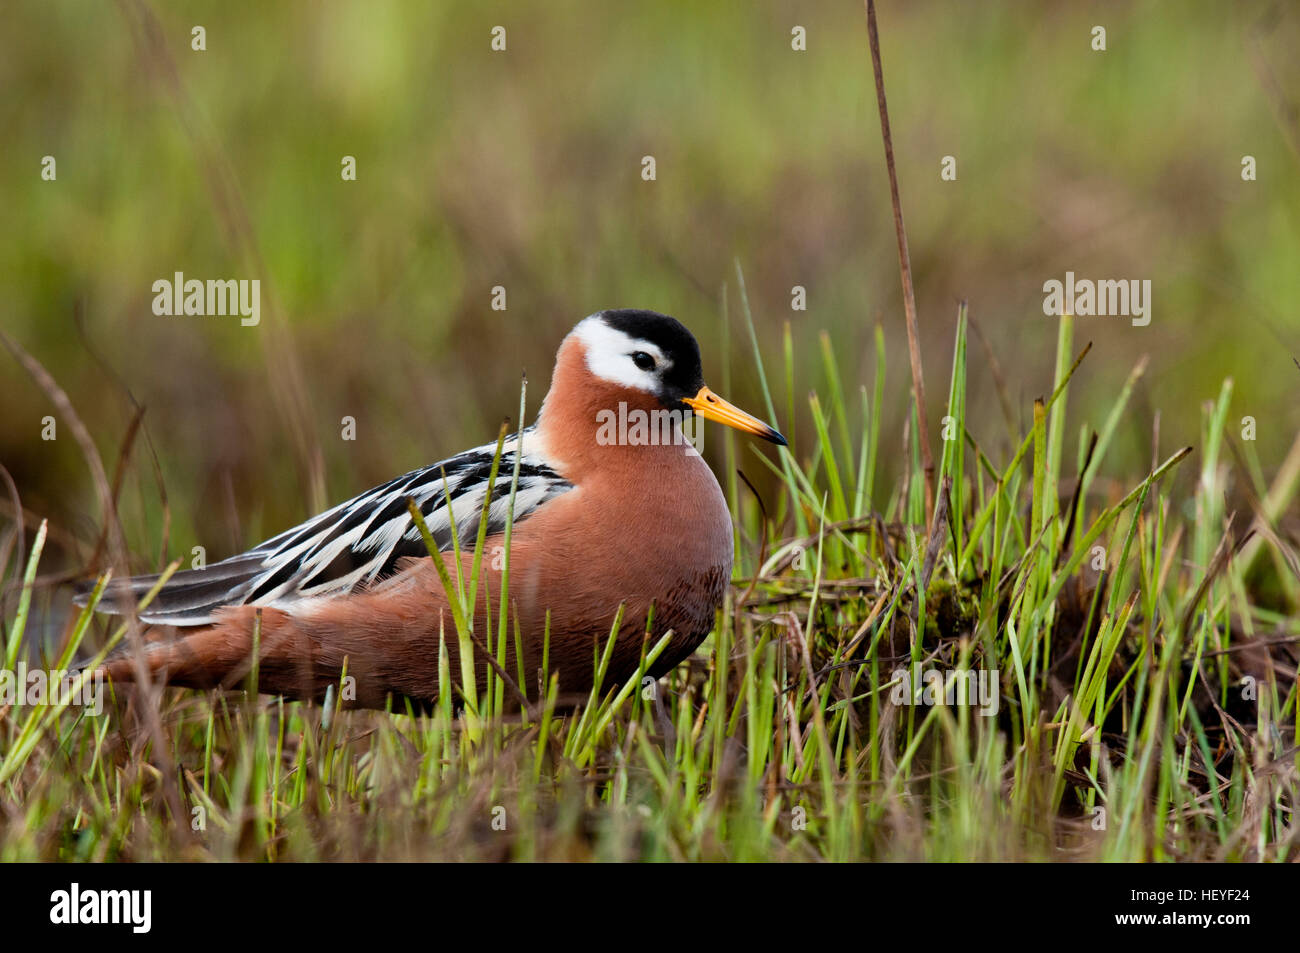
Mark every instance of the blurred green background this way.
pixel 523 169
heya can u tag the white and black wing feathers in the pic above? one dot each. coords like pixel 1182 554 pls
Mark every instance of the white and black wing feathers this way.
pixel 355 543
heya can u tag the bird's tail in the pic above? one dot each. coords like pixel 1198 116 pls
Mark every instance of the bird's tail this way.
pixel 189 598
pixel 222 656
pixel 298 656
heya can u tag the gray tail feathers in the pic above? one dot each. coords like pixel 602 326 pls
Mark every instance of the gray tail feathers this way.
pixel 188 598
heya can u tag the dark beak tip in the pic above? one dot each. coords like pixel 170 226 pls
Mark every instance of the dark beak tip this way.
pixel 777 438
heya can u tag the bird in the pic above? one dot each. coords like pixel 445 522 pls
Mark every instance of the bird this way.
pixel 616 518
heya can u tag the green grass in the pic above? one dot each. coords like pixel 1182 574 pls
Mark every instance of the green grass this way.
pixel 1122 730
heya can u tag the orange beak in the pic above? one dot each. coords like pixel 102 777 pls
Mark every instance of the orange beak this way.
pixel 709 405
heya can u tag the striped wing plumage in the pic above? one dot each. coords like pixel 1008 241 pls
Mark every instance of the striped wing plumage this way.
pixel 354 544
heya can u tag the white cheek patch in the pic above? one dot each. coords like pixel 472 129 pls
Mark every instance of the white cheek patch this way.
pixel 609 351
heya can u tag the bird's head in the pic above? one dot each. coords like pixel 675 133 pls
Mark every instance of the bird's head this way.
pixel 656 355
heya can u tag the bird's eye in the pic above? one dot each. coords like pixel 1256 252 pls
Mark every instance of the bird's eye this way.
pixel 643 360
